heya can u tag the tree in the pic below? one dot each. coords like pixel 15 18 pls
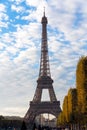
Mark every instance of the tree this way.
pixel 81 84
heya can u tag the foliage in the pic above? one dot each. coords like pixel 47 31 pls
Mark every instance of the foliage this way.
pixel 65 108
pixel 5 123
pixel 75 102
pixel 81 84
pixel 1 117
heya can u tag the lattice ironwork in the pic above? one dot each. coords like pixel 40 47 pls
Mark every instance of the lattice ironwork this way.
pixel 44 62
pixel 44 82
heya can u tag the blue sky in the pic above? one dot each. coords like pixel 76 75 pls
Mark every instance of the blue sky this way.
pixel 20 41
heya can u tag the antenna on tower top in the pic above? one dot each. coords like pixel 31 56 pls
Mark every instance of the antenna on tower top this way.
pixel 44 10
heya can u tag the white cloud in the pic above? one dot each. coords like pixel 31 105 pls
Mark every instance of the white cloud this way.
pixel 13 111
pixel 3 16
pixel 17 2
pixel 17 8
pixel 33 2
pixel 2 8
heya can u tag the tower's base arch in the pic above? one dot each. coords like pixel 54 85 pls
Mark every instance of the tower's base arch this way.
pixel 37 108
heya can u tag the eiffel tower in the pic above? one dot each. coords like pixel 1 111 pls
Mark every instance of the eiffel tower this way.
pixel 44 82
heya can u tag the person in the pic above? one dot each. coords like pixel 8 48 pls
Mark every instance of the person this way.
pixel 23 127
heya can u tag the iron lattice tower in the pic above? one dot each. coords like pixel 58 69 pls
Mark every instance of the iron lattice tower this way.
pixel 44 82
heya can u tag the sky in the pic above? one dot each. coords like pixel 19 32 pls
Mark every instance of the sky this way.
pixel 20 49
